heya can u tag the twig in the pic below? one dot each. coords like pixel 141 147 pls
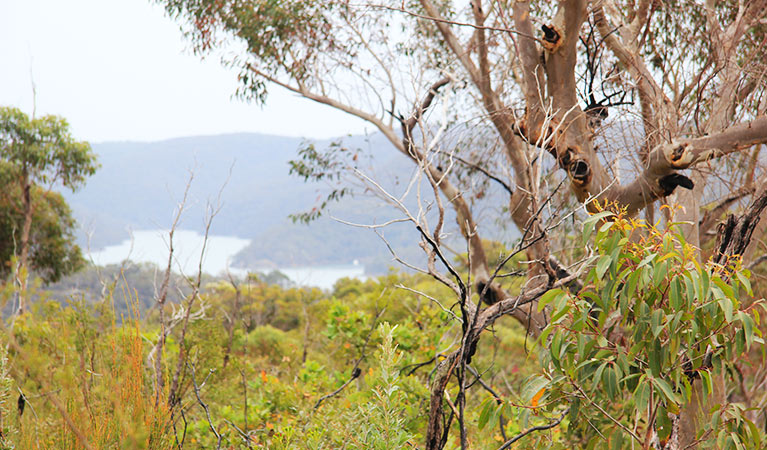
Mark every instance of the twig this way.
pixel 451 22
pixel 245 398
pixel 401 286
pixel 155 355
pixel 202 403
pixel 757 261
pixel 485 172
pixel 180 445
pixel 498 400
pixel 482 383
pixel 26 401
pixel 212 212
pixel 508 443
pixel 355 374
pixel 356 371
pixel 612 419
pixel 245 437
pixel 417 366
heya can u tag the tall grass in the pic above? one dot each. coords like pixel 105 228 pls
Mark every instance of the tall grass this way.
pixel 85 380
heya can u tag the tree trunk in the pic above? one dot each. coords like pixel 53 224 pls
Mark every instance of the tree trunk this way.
pixel 22 272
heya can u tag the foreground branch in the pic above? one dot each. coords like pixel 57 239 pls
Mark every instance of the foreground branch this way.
pixel 553 424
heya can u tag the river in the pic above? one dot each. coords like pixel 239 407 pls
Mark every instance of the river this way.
pixel 152 246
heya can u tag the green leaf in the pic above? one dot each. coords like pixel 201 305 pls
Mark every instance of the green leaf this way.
pixel 487 410
pixel 575 407
pixel 726 305
pixel 721 439
pixel 756 437
pixel 612 382
pixel 667 391
pixel 556 344
pixel 616 440
pixel 694 280
pixel 590 223
pixel 690 287
pixel 656 322
pixel 660 272
pixel 745 282
pixel 726 288
pixel 602 265
pixel 675 296
pixel 646 260
pixel 662 423
pixel 655 358
pixel 642 393
pixel 598 375
pixel 708 383
pixel 609 382
pixel 704 286
pixel 687 388
pixel 559 313
pixel 740 342
pixel 748 328
pixel 715 416
pixel 533 387
pixel 606 226
pixel 736 440
pixel 633 279
pixel 548 297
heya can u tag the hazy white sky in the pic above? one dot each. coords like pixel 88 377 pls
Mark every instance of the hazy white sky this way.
pixel 120 70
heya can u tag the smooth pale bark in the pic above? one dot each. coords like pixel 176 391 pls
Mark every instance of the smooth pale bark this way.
pixel 668 159
pixel 22 271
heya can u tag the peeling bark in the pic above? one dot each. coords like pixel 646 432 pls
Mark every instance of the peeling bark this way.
pixel 734 234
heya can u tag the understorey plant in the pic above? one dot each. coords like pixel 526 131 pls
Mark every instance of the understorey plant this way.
pixel 652 332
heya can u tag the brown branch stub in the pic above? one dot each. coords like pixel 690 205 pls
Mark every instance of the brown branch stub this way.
pixel 552 38
pixel 678 152
pixel 580 172
pixel 734 235
pixel 669 183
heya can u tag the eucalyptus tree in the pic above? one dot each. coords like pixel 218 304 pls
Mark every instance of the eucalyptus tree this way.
pixel 635 104
pixel 53 252
pixel 37 154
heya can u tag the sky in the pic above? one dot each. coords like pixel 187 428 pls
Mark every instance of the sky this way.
pixel 121 70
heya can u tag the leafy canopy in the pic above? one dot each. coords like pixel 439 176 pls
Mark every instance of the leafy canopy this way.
pixel 53 253
pixel 43 149
pixel 35 155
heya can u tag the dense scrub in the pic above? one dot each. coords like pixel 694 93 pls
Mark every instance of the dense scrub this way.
pixel 288 348
pixel 266 365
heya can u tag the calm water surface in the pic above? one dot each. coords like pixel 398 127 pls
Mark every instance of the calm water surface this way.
pixel 152 246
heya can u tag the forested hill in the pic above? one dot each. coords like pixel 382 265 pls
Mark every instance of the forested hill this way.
pixel 140 184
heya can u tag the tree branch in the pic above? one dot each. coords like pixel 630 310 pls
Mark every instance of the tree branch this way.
pixel 660 178
pixel 551 425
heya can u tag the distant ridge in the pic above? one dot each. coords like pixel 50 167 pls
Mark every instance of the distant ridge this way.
pixel 140 184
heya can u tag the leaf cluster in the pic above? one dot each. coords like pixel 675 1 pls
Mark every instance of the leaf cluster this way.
pixel 651 329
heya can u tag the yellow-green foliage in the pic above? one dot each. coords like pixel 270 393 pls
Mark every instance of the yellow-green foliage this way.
pixel 95 370
pixel 7 423
pixel 289 347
